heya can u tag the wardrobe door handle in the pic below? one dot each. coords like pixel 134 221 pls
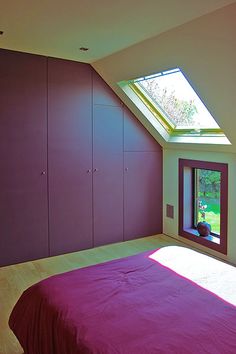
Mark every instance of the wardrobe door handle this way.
pixel 89 170
pixel 95 170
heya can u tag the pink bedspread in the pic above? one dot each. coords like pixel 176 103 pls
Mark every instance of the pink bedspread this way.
pixel 133 305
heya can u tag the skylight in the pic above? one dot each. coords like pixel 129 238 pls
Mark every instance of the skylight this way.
pixel 177 100
pixel 172 106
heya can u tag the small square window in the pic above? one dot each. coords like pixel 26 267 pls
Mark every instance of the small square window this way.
pixel 203 193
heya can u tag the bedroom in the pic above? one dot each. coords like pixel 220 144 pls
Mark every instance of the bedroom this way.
pixel 198 38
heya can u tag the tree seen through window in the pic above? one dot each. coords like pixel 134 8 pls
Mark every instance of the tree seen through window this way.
pixel 207 198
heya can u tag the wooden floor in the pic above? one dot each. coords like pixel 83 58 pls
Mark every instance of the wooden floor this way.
pixel 16 278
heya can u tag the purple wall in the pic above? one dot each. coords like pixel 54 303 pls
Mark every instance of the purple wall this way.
pixel 77 168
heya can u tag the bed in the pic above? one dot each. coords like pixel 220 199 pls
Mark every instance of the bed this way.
pixel 172 300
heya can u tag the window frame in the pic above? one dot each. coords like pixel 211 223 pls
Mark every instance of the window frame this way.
pixel 195 208
pixel 186 203
pixel 148 110
pixel 162 118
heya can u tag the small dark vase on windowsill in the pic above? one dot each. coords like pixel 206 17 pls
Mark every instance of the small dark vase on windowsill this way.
pixel 203 228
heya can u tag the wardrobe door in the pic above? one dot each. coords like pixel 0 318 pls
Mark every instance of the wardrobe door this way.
pixel 23 156
pixel 136 136
pixel 69 155
pixel 142 194
pixel 108 174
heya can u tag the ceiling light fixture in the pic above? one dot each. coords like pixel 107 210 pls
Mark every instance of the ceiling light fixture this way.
pixel 84 49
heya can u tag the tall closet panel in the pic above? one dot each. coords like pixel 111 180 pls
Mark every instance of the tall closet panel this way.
pixel 136 137
pixel 70 155
pixel 102 93
pixel 23 156
pixel 142 194
pixel 108 174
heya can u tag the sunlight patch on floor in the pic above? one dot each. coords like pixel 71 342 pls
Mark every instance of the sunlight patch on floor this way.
pixel 209 273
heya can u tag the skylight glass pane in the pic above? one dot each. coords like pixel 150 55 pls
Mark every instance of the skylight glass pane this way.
pixel 173 94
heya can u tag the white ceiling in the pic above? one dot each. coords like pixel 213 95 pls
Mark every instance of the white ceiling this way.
pixel 59 28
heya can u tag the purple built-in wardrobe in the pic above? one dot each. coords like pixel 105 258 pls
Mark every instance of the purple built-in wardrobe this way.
pixel 77 169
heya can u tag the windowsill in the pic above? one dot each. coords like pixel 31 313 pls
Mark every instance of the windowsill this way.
pixel 210 238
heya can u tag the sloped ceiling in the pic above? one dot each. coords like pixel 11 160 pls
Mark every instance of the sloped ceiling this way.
pixel 58 28
pixel 205 49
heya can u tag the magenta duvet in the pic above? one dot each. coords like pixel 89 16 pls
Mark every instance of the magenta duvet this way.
pixel 133 305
